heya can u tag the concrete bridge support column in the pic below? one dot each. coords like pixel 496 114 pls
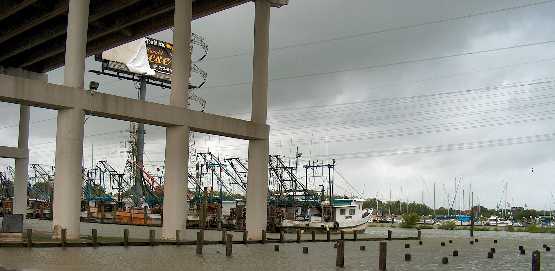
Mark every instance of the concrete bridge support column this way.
pixel 70 126
pixel 257 184
pixel 22 164
pixel 177 137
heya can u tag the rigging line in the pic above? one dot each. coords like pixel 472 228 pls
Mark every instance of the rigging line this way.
pixel 473 145
pixel 391 64
pixel 392 29
pixel 348 183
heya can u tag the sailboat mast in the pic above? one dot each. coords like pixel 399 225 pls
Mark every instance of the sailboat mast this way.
pixel 434 199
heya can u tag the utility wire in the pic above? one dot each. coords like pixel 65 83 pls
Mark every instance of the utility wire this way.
pixel 430 129
pixel 481 144
pixel 421 115
pixel 397 63
pixel 470 96
pixel 392 29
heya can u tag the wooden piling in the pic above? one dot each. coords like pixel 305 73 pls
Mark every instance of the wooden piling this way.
pixel 419 235
pixel 64 237
pixel 263 236
pixel 342 235
pixel 382 262
pixel 204 208
pixel 298 235
pixel 276 247
pixel 536 260
pixel 313 236
pixel 245 237
pixel 362 248
pixel 281 237
pixel 151 237
pixel 328 235
pixel 224 236
pixel 229 245
pixel 389 233
pixel 101 212
pixel 94 234
pixel 340 259
pixel 177 237
pixel 305 250
pixel 407 257
pixel 200 242
pixel 145 215
pixel 407 245
pixel 29 237
pixel 455 253
pixel 355 235
pixel 125 237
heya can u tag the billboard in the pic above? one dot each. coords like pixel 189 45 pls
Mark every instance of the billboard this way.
pixel 159 55
pixel 150 58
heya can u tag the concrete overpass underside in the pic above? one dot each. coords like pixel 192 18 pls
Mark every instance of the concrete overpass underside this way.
pixel 38 36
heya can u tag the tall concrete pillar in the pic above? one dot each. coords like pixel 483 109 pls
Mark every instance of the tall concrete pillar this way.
pixel 22 164
pixel 257 183
pixel 69 133
pixel 177 137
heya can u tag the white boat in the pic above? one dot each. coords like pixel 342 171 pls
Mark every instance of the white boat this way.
pixel 343 215
pixel 492 221
pixel 504 223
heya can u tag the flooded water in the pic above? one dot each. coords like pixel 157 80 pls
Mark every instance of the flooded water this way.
pixel 321 256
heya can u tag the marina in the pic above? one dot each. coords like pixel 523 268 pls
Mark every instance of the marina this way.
pixel 277 135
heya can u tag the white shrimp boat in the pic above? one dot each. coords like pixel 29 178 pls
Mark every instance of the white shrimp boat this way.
pixel 343 215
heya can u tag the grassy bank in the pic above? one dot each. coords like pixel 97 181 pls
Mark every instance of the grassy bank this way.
pixel 529 229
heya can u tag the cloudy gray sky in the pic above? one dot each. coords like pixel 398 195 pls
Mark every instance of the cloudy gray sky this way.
pixel 341 76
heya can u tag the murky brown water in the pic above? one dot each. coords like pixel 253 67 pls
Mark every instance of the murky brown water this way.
pixel 321 255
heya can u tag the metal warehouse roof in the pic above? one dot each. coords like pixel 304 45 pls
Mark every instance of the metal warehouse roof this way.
pixel 33 32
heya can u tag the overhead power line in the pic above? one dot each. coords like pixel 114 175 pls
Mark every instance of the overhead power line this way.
pixel 426 115
pixel 481 144
pixel 396 63
pixel 397 28
pixel 468 96
pixel 434 128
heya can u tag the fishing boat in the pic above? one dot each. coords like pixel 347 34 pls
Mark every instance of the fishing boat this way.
pixel 492 221
pixel 345 215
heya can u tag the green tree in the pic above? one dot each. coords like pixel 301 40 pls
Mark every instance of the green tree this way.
pixel 409 220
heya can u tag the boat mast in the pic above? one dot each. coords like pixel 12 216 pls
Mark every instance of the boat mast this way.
pixel 434 199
